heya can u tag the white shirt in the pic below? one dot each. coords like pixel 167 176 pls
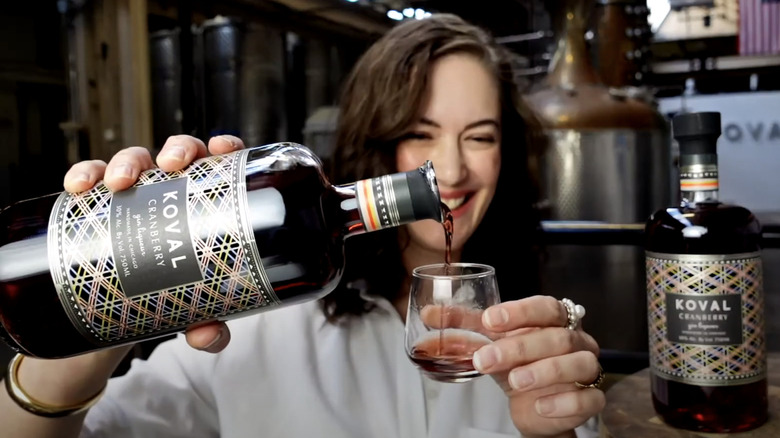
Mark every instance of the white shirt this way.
pixel 288 373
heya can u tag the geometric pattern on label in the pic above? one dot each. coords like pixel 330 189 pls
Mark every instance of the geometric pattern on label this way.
pixel 224 245
pixel 700 364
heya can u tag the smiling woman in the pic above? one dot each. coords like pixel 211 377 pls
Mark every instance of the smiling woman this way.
pixel 481 137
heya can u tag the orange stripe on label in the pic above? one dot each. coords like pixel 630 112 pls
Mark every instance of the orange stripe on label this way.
pixel 368 194
pixel 705 184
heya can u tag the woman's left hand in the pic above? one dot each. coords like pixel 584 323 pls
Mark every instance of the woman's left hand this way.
pixel 537 361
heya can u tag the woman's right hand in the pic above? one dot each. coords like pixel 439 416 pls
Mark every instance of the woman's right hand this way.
pixel 74 379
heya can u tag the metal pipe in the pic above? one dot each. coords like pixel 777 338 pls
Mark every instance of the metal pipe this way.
pixel 605 233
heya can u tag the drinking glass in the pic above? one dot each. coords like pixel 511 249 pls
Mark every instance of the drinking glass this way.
pixel 444 319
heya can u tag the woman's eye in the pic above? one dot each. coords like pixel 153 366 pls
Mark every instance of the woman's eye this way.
pixel 416 136
pixel 483 138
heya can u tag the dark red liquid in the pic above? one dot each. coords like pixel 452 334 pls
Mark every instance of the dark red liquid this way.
pixel 448 225
pixel 31 309
pixel 710 408
pixel 720 409
pixel 447 357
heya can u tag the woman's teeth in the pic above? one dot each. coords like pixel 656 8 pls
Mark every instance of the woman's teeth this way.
pixel 454 203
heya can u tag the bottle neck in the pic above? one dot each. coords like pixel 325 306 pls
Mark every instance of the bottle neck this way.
pixel 351 218
pixel 390 201
pixel 698 178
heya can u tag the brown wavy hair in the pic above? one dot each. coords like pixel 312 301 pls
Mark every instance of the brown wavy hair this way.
pixel 380 102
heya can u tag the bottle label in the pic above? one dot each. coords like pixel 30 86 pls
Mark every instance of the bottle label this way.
pixel 173 250
pixel 699 178
pixel 150 238
pixel 378 201
pixel 706 318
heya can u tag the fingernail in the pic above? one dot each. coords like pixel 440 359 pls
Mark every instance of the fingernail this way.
pixel 175 153
pixel 82 177
pixel 496 317
pixel 123 171
pixel 229 139
pixel 520 379
pixel 485 358
pixel 545 406
pixel 214 341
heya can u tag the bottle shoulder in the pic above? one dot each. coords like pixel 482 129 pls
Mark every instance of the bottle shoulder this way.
pixel 706 206
pixel 705 212
pixel 704 228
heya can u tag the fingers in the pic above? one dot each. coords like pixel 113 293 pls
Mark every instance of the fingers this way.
pixel 223 144
pixel 537 363
pixel 179 151
pixel 536 311
pixel 520 349
pixel 83 175
pixel 581 366
pixel 212 337
pixel 578 404
pixel 123 169
pixel 556 409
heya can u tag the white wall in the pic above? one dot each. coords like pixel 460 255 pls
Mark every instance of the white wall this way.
pixel 748 149
pixel 689 23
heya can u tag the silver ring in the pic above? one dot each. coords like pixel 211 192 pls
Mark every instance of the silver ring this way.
pixel 574 313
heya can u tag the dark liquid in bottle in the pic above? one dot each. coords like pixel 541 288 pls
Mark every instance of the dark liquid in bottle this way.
pixel 31 308
pixel 719 409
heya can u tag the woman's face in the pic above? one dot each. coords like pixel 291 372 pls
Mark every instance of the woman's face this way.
pixel 459 130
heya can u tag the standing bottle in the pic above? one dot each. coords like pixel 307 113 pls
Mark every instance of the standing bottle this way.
pixel 705 297
pixel 228 236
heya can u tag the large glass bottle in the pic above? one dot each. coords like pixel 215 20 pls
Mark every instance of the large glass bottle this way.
pixel 229 236
pixel 705 297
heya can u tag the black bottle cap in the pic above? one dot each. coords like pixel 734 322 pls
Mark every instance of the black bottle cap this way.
pixel 697 133
pixel 424 191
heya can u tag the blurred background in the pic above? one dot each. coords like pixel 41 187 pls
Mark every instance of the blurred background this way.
pixel 82 79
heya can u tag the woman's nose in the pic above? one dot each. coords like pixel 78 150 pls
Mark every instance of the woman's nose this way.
pixel 449 163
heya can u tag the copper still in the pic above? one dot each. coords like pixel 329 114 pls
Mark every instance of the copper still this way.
pixel 620 37
pixel 608 161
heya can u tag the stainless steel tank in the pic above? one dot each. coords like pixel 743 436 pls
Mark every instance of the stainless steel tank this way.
pixel 165 68
pixel 608 160
pixel 242 76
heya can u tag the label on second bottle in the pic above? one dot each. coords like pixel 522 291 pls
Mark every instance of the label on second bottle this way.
pixel 706 318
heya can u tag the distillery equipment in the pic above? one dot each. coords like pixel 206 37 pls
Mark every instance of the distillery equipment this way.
pixel 165 65
pixel 608 160
pixel 242 67
pixel 620 37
